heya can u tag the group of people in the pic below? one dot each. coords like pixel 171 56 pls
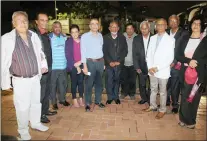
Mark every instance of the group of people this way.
pixel 173 61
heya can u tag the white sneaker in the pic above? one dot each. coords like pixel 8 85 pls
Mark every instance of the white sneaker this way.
pixel 40 127
pixel 25 136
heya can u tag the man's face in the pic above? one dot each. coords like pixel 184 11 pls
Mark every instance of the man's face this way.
pixel 130 30
pixel 145 29
pixel 173 23
pixel 20 23
pixel 74 33
pixel 42 21
pixel 94 25
pixel 113 28
pixel 57 29
pixel 161 26
pixel 196 26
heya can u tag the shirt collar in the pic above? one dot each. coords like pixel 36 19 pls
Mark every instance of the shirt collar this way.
pixel 29 34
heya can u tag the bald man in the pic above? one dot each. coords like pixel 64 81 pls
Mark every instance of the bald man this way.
pixel 159 57
pixel 174 85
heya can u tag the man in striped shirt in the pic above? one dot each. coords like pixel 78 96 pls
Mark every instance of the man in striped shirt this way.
pixel 59 63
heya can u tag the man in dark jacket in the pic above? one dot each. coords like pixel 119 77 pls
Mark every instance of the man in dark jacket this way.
pixel 41 30
pixel 115 51
pixel 140 47
pixel 174 86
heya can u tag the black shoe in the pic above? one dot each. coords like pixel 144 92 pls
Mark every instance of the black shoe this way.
pixel 100 105
pixel 55 107
pixel 88 108
pixel 51 113
pixel 65 103
pixel 175 110
pixel 167 104
pixel 142 102
pixel 117 101
pixel 109 102
pixel 44 119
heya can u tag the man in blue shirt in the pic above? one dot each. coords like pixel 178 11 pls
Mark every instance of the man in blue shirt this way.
pixel 59 75
pixel 93 63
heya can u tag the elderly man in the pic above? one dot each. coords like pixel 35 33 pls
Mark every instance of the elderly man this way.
pixel 159 57
pixel 140 48
pixel 23 59
pixel 41 30
pixel 115 50
pixel 59 63
pixel 174 85
pixel 128 73
pixel 93 63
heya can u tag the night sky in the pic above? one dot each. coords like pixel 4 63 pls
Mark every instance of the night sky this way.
pixel 155 9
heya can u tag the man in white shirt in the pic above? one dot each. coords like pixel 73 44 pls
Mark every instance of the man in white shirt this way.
pixel 140 47
pixel 159 57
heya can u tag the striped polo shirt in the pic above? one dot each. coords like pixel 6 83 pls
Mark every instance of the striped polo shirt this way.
pixel 59 61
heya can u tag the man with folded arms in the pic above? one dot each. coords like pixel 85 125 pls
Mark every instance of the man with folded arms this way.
pixel 23 59
pixel 159 57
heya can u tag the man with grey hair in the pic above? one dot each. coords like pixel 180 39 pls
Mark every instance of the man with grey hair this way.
pixel 23 59
pixel 174 85
pixel 140 47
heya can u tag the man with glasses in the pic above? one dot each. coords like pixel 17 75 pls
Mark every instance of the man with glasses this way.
pixel 93 63
pixel 174 85
pixel 159 57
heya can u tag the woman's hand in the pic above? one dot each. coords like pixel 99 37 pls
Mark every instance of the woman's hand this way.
pixel 193 63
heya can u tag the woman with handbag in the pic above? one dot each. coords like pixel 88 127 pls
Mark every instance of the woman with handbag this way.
pixel 192 53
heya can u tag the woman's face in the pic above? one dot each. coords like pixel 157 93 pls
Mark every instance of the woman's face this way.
pixel 74 33
pixel 196 26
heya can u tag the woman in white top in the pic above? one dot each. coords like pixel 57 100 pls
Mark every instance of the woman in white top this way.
pixel 192 53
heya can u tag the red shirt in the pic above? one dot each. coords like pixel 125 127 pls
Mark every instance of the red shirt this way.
pixel 76 51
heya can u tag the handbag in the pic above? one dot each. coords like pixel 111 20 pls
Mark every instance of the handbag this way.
pixel 191 75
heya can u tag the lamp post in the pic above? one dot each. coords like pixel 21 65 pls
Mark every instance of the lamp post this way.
pixel 55 10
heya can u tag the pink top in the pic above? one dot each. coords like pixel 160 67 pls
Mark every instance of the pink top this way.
pixel 76 51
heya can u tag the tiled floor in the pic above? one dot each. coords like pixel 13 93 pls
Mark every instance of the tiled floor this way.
pixel 115 122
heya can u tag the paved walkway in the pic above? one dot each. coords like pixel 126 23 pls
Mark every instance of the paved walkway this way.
pixel 115 122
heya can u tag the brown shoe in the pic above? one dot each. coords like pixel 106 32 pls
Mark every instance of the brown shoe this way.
pixel 160 115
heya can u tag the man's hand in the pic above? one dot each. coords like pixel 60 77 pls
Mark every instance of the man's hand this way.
pixel 151 71
pixel 193 63
pixel 139 71
pixel 112 64
pixel 44 70
pixel 77 64
pixel 85 70
pixel 117 63
pixel 172 65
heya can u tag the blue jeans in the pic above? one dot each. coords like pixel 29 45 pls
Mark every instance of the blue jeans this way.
pixel 95 79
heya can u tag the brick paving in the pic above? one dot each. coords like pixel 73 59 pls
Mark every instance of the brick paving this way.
pixel 115 122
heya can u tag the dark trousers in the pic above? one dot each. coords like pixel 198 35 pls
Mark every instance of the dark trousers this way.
pixel 58 82
pixel 188 111
pixel 45 92
pixel 144 91
pixel 128 80
pixel 113 82
pixel 174 88
pixel 76 81
pixel 95 79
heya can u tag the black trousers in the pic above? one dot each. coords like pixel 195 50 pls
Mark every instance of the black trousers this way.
pixel 188 111
pixel 128 81
pixel 45 91
pixel 174 88
pixel 113 82
pixel 144 91
pixel 77 81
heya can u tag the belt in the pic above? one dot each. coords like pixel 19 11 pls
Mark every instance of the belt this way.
pixel 95 60
pixel 24 76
